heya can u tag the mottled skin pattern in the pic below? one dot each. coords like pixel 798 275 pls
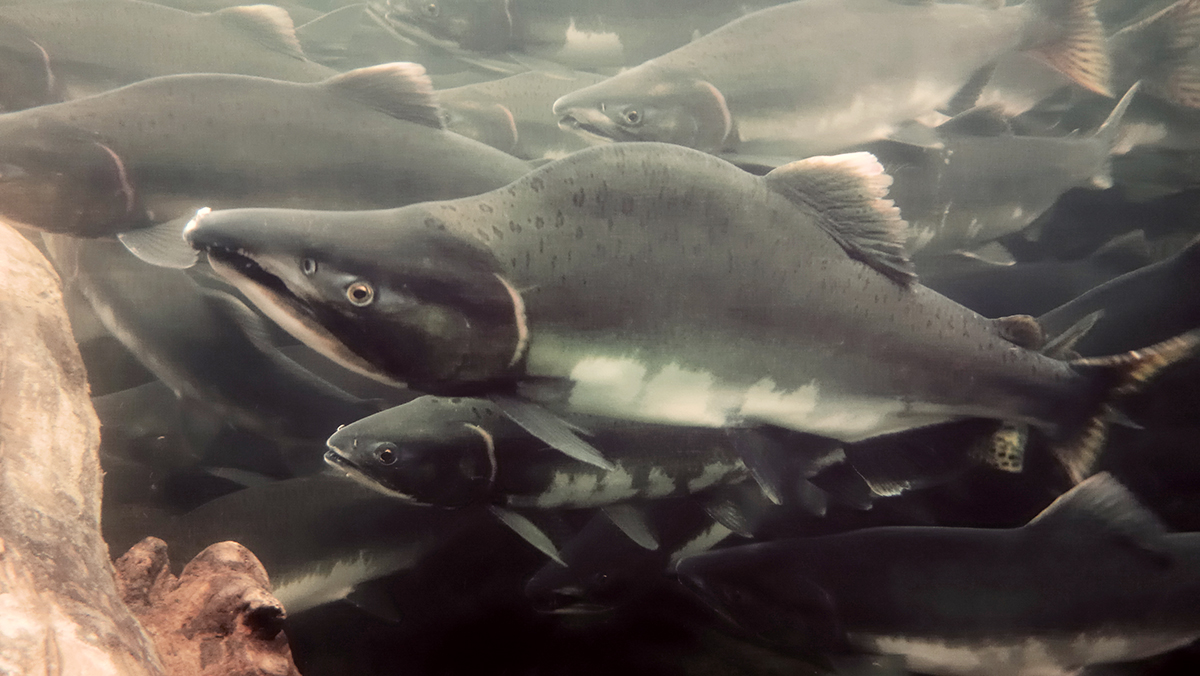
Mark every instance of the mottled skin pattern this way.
pixel 656 283
pixel 190 141
pixel 675 258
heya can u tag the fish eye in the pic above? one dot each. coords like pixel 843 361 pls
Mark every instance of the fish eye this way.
pixel 308 266
pixel 632 116
pixel 432 10
pixel 360 294
pixel 386 454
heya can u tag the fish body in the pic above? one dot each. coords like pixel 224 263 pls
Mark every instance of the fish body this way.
pixel 513 114
pixel 160 149
pixel 205 345
pixel 89 46
pixel 318 537
pixel 1093 579
pixel 592 34
pixel 1036 287
pixel 454 452
pixel 654 283
pixel 977 185
pixel 1144 304
pixel 780 80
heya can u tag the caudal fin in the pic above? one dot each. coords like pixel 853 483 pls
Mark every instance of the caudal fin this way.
pixel 1079 50
pixel 1120 376
pixel 1170 42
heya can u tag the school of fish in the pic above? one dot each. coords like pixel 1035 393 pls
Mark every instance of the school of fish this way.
pixel 653 336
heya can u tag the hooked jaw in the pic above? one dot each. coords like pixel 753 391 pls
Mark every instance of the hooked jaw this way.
pixel 237 242
pixel 589 120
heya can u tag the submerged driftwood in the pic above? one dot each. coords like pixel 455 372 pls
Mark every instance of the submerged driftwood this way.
pixel 217 618
pixel 59 608
pixel 63 611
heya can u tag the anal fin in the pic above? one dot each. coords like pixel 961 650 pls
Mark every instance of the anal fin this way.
pixel 632 522
pixel 529 531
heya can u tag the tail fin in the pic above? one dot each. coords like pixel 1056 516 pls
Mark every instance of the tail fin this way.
pixel 1079 51
pixel 1172 36
pixel 1120 376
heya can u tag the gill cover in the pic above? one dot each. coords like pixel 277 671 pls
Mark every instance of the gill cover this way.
pixel 430 451
pixel 664 107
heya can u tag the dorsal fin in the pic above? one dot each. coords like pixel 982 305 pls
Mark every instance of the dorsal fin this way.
pixel 401 90
pixel 1101 504
pixel 979 121
pixel 849 195
pixel 269 25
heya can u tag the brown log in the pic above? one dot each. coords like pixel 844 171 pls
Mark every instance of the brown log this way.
pixel 217 618
pixel 59 608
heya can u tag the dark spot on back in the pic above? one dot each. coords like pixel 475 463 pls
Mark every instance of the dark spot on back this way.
pixel 539 223
pixel 514 226
pixel 579 198
pixel 485 208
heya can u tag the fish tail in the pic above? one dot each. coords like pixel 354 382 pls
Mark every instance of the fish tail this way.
pixel 1173 36
pixel 1079 49
pixel 1118 376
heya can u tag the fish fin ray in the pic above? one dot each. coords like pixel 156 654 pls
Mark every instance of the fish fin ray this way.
pixel 964 100
pixel 1102 502
pixel 1062 346
pixel 724 510
pixel 1127 252
pixel 632 522
pixel 1173 32
pixel 269 25
pixel 551 429
pixel 1119 376
pixel 1081 53
pixel 1109 134
pixel 399 89
pixel 848 194
pixel 979 121
pixel 162 245
pixel 529 531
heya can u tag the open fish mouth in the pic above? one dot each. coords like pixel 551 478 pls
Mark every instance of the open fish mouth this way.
pixel 608 133
pixel 230 262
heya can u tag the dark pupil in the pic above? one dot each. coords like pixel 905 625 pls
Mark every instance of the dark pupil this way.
pixel 431 9
pixel 359 293
pixel 386 456
pixel 309 266
pixel 632 116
